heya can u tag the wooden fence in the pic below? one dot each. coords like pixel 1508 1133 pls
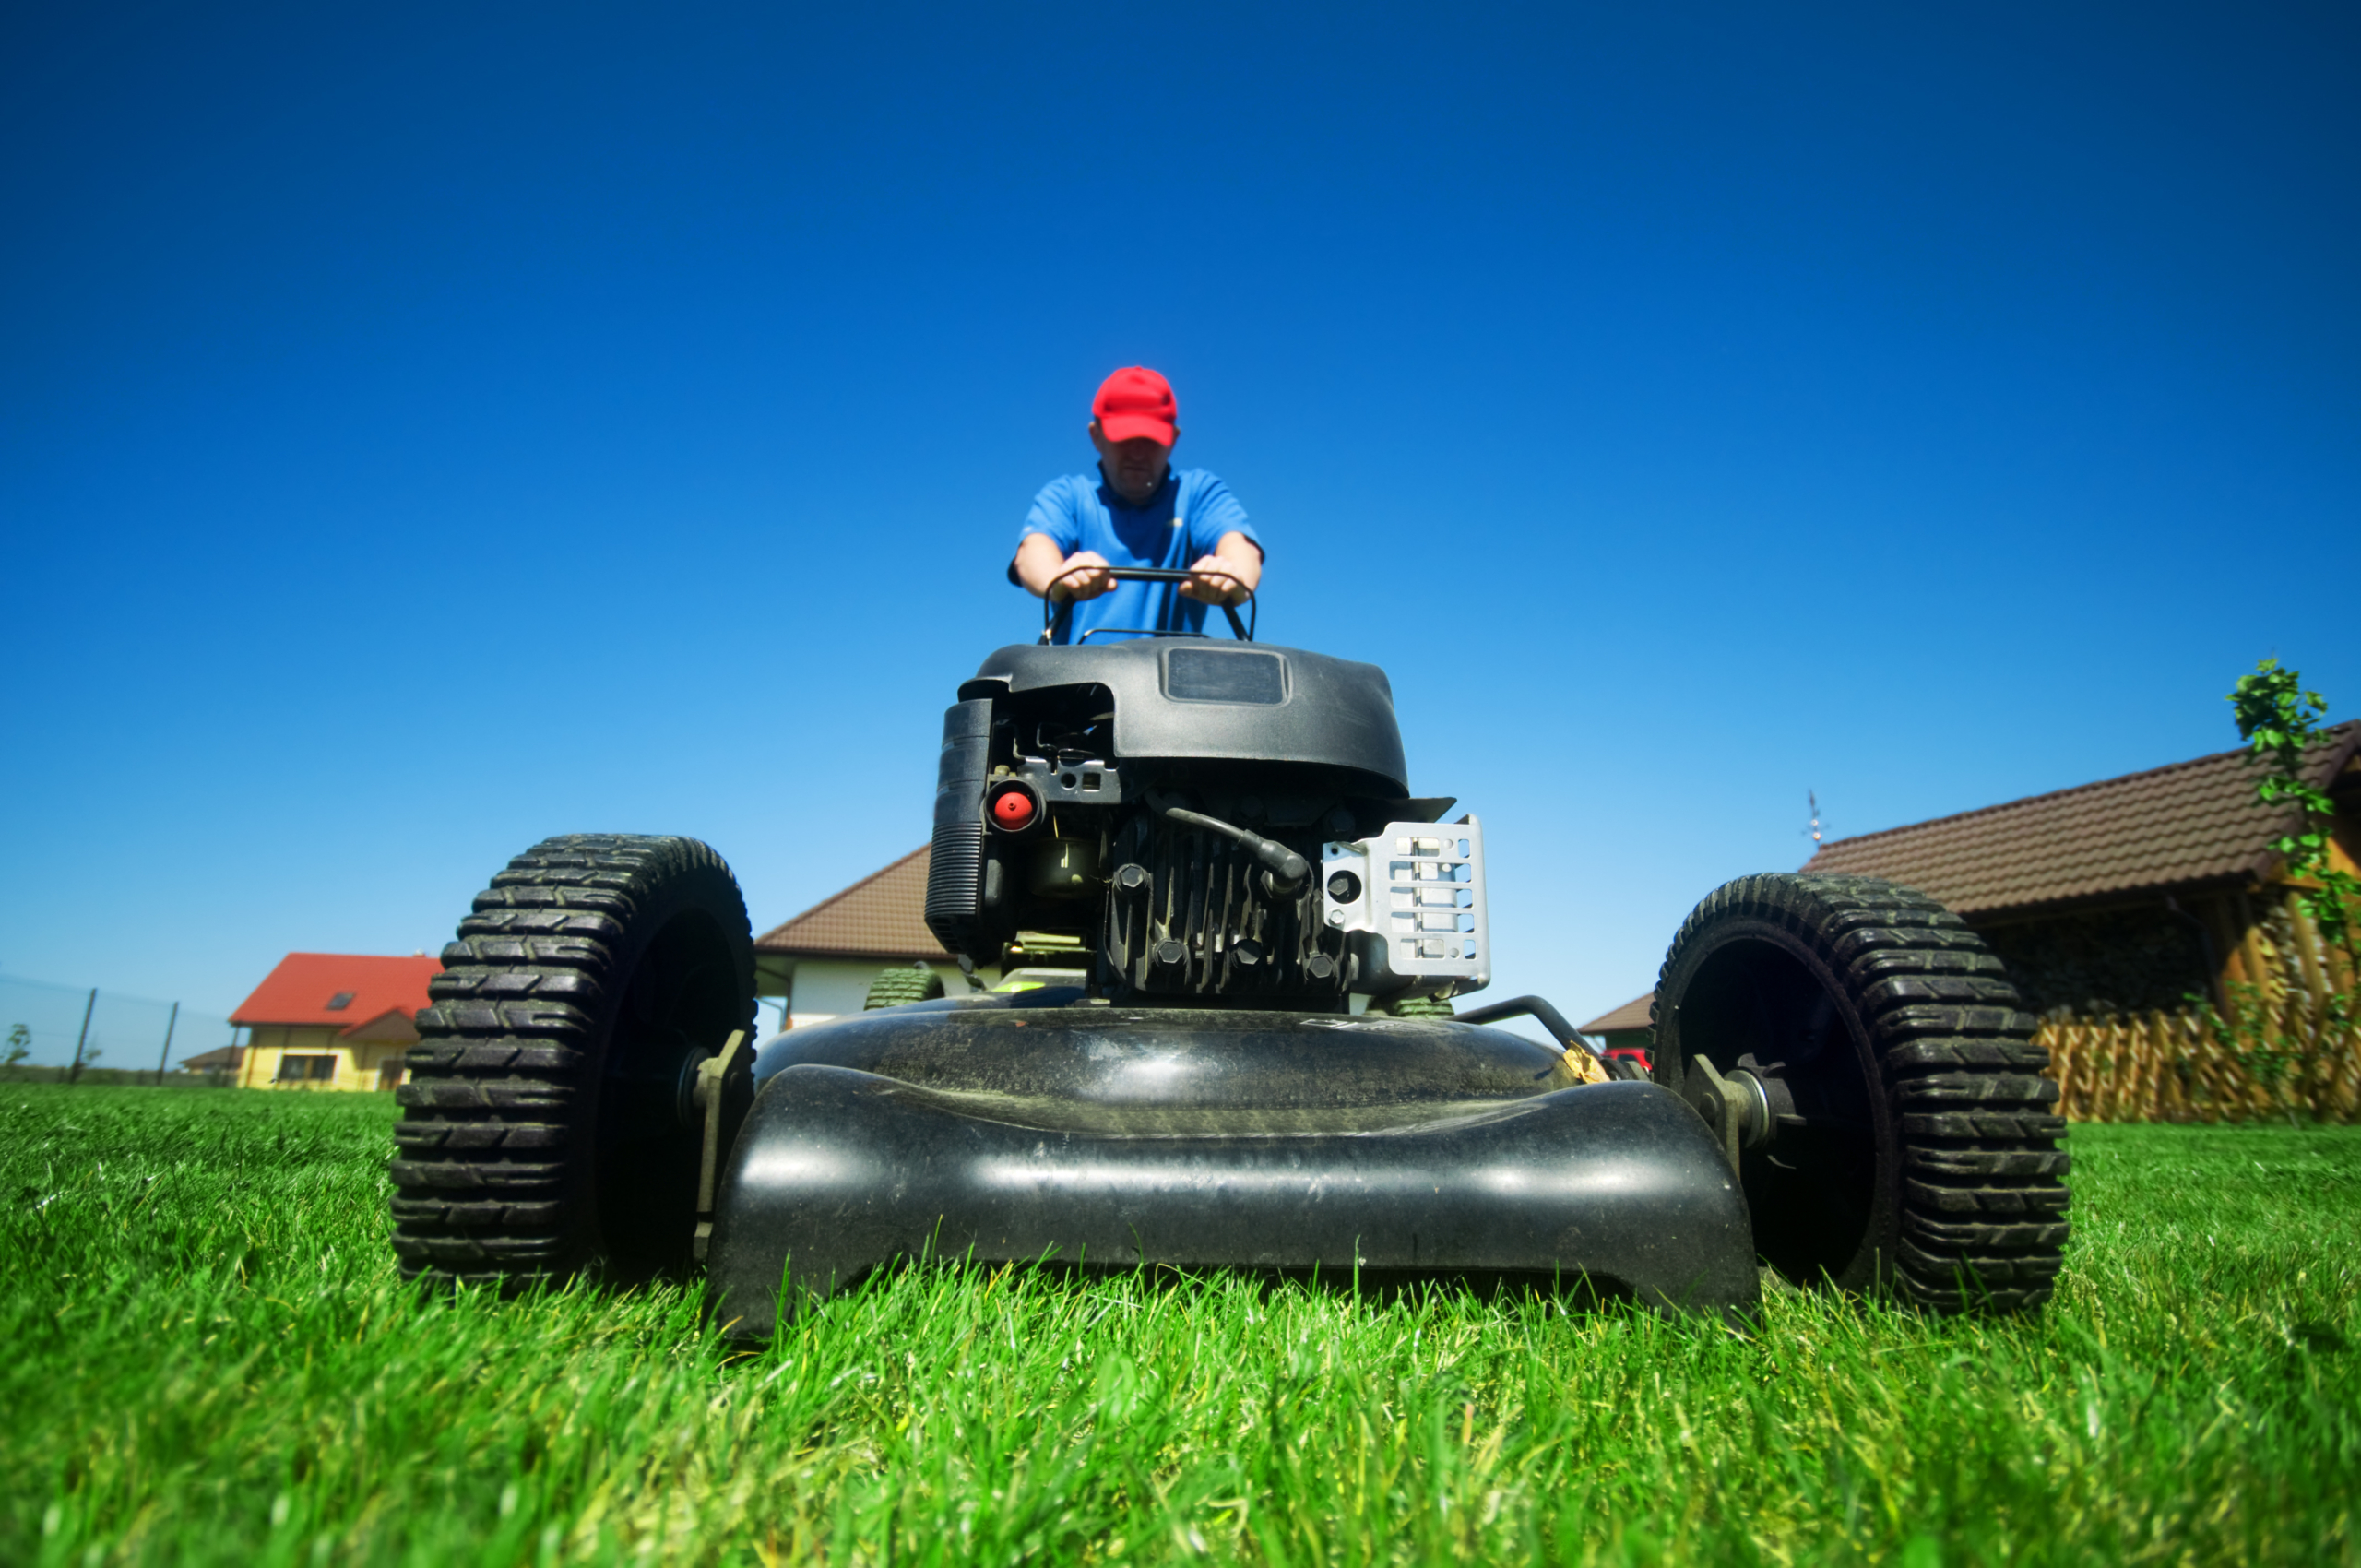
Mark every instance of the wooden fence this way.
pixel 2283 1058
pixel 2286 1041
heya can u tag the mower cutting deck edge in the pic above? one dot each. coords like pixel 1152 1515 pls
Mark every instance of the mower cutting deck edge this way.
pixel 1216 844
pixel 1112 1136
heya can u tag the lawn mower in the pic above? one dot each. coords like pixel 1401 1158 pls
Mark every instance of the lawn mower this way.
pixel 1229 936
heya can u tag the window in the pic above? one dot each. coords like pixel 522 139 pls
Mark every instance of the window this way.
pixel 303 1069
pixel 341 1001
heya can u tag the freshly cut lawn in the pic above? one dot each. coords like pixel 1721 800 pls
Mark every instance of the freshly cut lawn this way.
pixel 210 1360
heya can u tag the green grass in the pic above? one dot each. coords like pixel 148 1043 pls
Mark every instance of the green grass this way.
pixel 210 1360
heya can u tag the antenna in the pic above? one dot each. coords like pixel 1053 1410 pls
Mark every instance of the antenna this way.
pixel 1814 831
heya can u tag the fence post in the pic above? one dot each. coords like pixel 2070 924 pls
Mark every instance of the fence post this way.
pixel 2205 1076
pixel 75 1076
pixel 2307 952
pixel 2143 1079
pixel 2264 975
pixel 167 1055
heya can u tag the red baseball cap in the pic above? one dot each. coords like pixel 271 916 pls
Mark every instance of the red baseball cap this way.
pixel 1134 402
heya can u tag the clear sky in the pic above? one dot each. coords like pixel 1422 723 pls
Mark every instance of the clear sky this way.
pixel 427 428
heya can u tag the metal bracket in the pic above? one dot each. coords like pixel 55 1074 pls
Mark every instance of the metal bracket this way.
pixel 711 1075
pixel 1717 1099
pixel 1409 899
pixel 1742 1111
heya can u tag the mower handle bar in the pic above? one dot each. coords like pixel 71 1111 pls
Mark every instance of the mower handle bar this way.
pixel 1053 615
pixel 1534 1007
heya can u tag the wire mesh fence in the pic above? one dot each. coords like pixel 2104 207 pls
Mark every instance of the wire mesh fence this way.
pixel 45 1024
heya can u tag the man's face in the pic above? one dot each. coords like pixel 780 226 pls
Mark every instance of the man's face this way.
pixel 1134 467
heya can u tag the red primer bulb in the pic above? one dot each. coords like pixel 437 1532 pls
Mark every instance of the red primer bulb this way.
pixel 1013 811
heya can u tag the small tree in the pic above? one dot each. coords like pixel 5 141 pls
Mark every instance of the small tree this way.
pixel 20 1045
pixel 2280 720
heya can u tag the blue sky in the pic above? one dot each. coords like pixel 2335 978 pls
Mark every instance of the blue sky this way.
pixel 423 429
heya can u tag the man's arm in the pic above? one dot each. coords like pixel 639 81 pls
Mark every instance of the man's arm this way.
pixel 1226 576
pixel 1045 569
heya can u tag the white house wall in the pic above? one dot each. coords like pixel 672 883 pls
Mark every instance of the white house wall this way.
pixel 821 989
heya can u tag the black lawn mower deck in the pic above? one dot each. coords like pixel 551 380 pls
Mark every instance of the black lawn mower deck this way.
pixel 1044 1127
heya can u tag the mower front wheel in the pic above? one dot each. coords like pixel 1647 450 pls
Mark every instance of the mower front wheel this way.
pixel 551 1125
pixel 1865 1061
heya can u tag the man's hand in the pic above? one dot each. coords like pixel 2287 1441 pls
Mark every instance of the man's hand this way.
pixel 1084 575
pixel 1228 574
pixel 1210 580
pixel 1050 574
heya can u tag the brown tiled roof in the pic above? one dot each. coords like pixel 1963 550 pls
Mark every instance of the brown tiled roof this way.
pixel 1633 1015
pixel 2190 825
pixel 881 916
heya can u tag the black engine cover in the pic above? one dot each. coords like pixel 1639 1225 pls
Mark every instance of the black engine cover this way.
pixel 1188 699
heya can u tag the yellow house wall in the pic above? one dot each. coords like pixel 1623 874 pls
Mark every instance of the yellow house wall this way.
pixel 359 1064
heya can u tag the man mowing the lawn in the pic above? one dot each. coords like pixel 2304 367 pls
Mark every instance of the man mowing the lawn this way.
pixel 1136 512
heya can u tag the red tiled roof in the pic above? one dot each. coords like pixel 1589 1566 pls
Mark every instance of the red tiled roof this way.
pixel 300 989
pixel 1633 1015
pixel 2193 823
pixel 881 916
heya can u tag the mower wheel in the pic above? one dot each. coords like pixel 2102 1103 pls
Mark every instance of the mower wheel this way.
pixel 1880 1086
pixel 549 1124
pixel 1418 1007
pixel 911 982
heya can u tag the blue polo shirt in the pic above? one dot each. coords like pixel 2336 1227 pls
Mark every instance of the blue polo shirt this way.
pixel 1181 523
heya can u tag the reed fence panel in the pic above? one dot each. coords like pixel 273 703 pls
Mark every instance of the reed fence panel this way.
pixel 2283 1058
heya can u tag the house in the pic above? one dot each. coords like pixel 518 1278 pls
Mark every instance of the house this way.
pixel 2133 893
pixel 2148 923
pixel 821 964
pixel 222 1059
pixel 332 1021
pixel 2134 914
pixel 1625 1031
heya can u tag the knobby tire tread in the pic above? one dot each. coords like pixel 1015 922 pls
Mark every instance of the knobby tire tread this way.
pixel 491 1136
pixel 899 986
pixel 1983 1197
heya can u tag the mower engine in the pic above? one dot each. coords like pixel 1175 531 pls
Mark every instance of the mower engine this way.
pixel 1201 825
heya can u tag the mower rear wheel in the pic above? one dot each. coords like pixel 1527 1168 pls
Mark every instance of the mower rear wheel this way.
pixel 1920 1154
pixel 1418 1007
pixel 549 1124
pixel 898 987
